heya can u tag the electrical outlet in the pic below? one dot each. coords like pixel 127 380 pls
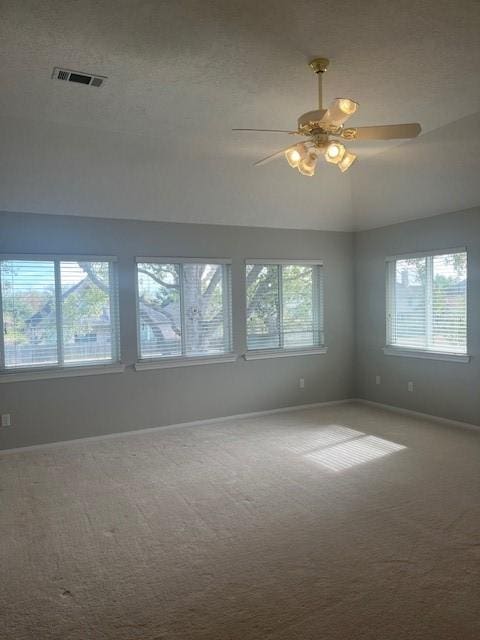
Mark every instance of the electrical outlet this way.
pixel 410 386
pixel 377 380
pixel 301 383
pixel 6 420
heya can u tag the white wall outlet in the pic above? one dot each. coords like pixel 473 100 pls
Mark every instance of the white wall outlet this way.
pixel 410 386
pixel 6 420
pixel 377 380
pixel 301 383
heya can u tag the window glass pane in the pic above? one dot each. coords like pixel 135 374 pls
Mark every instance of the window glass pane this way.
pixel 428 303
pixel 29 319
pixel 263 307
pixel 449 317
pixel 206 309
pixel 300 327
pixel 87 325
pixel 160 326
pixel 409 316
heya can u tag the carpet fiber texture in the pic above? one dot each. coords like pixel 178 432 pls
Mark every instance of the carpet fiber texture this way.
pixel 336 523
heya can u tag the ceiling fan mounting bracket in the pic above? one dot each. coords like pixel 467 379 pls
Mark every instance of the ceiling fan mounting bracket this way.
pixel 319 65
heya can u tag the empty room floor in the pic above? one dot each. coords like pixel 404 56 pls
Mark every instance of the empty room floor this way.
pixel 340 522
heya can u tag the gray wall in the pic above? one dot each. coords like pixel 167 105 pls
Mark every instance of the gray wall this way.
pixel 60 409
pixel 447 389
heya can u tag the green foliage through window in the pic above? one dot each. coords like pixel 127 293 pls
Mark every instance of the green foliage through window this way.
pixel 284 306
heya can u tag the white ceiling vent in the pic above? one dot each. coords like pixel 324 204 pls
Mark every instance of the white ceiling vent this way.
pixel 78 76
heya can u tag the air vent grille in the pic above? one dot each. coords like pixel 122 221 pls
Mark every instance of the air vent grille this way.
pixel 78 77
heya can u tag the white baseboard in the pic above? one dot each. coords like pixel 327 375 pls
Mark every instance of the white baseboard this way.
pixel 240 416
pixel 417 414
pixel 194 423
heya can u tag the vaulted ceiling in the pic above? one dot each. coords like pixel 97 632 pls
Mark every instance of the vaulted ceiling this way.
pixel 156 143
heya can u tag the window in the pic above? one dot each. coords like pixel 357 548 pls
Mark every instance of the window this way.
pixel 284 305
pixel 57 312
pixel 427 302
pixel 184 308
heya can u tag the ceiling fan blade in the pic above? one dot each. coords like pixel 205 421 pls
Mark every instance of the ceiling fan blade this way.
pixel 383 132
pixel 271 131
pixel 273 155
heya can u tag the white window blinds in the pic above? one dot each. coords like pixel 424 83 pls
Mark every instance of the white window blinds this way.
pixel 57 312
pixel 183 308
pixel 284 305
pixel 427 302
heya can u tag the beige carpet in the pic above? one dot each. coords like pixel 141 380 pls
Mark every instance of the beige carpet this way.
pixel 344 522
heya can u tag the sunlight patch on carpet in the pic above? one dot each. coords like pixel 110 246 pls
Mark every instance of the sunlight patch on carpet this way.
pixel 353 452
pixel 327 436
pixel 337 447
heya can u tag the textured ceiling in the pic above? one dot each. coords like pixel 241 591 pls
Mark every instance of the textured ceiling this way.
pixel 183 73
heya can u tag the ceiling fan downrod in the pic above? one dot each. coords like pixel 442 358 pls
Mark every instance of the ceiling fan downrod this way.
pixel 309 123
pixel 319 65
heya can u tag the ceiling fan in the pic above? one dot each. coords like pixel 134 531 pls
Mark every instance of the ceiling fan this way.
pixel 324 129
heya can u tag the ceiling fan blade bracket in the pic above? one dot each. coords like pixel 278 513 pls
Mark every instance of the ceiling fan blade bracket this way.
pixel 348 134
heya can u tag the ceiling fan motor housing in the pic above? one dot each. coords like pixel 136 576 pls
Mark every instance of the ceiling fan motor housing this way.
pixel 310 122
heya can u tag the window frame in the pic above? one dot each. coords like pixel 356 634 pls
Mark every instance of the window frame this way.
pixel 410 352
pixel 163 362
pixel 61 368
pixel 282 351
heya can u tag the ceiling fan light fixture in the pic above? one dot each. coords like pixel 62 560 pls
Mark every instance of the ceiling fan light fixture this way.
pixel 295 154
pixel 293 157
pixel 347 106
pixel 347 161
pixel 308 164
pixel 335 152
pixel 340 110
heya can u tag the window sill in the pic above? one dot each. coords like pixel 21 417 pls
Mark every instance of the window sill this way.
pixel 146 365
pixel 284 353
pixel 65 372
pixel 426 355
